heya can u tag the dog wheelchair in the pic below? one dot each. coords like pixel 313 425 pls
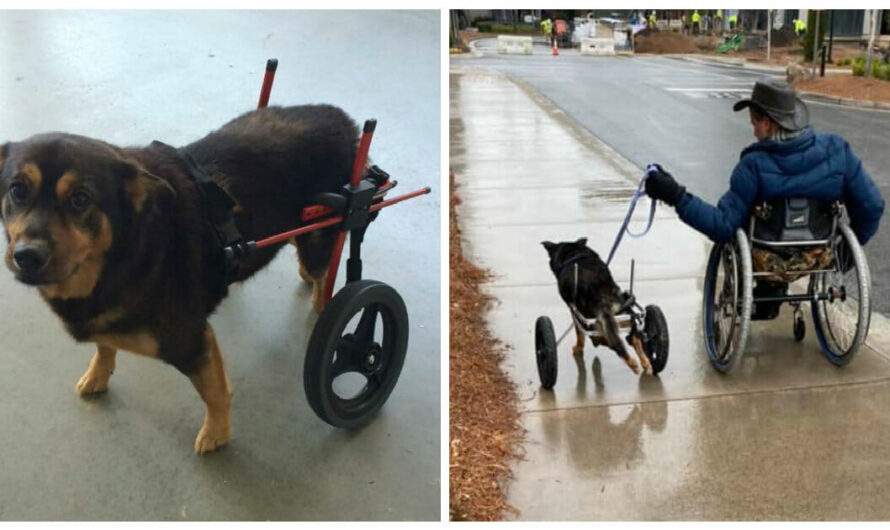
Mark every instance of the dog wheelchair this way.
pixel 376 346
pixel 647 334
pixel 788 240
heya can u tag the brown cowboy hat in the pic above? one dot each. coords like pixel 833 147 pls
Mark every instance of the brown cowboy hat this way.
pixel 778 101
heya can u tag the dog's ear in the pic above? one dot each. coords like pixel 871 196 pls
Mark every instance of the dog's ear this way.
pixel 581 242
pixel 550 246
pixel 140 184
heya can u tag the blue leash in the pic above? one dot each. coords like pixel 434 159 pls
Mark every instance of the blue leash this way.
pixel 630 211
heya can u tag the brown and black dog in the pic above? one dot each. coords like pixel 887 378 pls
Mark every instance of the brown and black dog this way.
pixel 115 239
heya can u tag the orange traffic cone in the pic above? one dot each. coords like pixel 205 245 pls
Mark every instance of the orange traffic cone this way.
pixel 555 51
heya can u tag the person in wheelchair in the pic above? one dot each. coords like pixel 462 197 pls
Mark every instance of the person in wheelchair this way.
pixel 788 160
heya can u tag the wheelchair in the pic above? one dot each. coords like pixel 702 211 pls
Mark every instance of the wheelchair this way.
pixel 788 241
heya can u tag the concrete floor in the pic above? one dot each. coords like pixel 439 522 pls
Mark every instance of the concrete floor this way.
pixel 786 435
pixel 644 108
pixel 129 78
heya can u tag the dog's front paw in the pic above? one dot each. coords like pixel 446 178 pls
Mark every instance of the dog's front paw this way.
pixel 93 382
pixel 211 438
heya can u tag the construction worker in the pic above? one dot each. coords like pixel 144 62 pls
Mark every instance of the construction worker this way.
pixel 733 22
pixel 788 160
pixel 652 20
pixel 696 22
pixel 800 27
pixel 547 28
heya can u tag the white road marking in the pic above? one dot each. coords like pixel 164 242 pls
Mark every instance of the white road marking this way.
pixel 712 89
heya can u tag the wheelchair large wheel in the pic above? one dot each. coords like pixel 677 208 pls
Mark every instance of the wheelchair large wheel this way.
pixel 545 352
pixel 348 374
pixel 841 322
pixel 727 302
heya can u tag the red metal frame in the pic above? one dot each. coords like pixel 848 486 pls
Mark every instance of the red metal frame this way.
pixel 315 211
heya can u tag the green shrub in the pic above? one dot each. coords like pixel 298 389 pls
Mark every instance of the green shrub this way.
pixel 882 71
pixel 858 69
pixel 494 27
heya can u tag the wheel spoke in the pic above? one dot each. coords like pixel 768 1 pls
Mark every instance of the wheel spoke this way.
pixel 364 331
pixel 345 359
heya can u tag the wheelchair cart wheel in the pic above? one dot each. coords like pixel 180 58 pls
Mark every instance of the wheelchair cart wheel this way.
pixel 363 362
pixel 727 302
pixel 545 352
pixel 841 322
pixel 655 338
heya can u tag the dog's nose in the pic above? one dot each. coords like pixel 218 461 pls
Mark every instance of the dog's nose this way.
pixel 29 257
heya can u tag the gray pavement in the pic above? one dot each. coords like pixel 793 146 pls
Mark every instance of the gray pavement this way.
pixel 129 78
pixel 786 435
pixel 679 113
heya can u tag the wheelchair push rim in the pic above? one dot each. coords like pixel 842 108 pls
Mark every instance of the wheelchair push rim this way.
pixel 842 319
pixel 545 352
pixel 359 341
pixel 727 302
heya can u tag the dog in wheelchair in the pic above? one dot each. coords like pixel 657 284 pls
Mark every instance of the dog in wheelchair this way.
pixel 586 285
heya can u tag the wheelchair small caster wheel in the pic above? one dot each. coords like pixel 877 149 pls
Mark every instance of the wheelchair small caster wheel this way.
pixel 800 328
pixel 545 352
pixel 656 342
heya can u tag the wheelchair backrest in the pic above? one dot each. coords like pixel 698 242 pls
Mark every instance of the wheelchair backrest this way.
pixel 793 220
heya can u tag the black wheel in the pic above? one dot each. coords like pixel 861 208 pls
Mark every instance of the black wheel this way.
pixel 800 327
pixel 350 369
pixel 656 343
pixel 545 352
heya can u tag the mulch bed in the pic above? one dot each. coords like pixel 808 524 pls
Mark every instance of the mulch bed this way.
pixel 848 86
pixel 484 431
pixel 648 41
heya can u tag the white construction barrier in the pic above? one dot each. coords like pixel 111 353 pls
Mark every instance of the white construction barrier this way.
pixel 515 44
pixel 600 46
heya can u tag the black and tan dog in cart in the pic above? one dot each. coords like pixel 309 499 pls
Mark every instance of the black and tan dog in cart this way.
pixel 126 245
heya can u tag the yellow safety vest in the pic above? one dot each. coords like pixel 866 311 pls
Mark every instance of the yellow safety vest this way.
pixel 652 19
pixel 695 17
pixel 733 19
pixel 546 26
pixel 800 26
pixel 719 14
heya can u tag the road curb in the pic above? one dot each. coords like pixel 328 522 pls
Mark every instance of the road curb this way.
pixel 743 63
pixel 862 104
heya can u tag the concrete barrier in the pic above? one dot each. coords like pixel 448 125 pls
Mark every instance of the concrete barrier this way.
pixel 514 44
pixel 598 46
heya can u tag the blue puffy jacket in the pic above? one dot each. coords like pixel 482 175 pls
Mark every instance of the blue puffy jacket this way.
pixel 812 166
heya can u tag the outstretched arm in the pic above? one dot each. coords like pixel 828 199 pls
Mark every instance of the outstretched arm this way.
pixel 863 199
pixel 719 222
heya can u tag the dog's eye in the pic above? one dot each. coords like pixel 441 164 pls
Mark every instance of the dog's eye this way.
pixel 18 192
pixel 80 200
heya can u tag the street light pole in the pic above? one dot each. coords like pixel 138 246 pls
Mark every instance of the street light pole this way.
pixel 871 42
pixel 815 41
pixel 769 33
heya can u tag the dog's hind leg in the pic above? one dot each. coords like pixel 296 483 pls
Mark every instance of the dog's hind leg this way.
pixel 95 379
pixel 303 274
pixel 212 383
pixel 610 327
pixel 314 251
pixel 638 347
pixel 578 349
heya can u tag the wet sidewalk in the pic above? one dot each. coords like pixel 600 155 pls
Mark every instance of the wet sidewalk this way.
pixel 785 436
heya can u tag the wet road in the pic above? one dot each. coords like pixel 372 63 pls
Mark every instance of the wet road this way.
pixel 786 435
pixel 679 114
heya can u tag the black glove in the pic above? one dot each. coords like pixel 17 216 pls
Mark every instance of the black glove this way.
pixel 661 186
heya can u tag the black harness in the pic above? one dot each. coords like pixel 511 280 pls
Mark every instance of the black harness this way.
pixel 216 205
